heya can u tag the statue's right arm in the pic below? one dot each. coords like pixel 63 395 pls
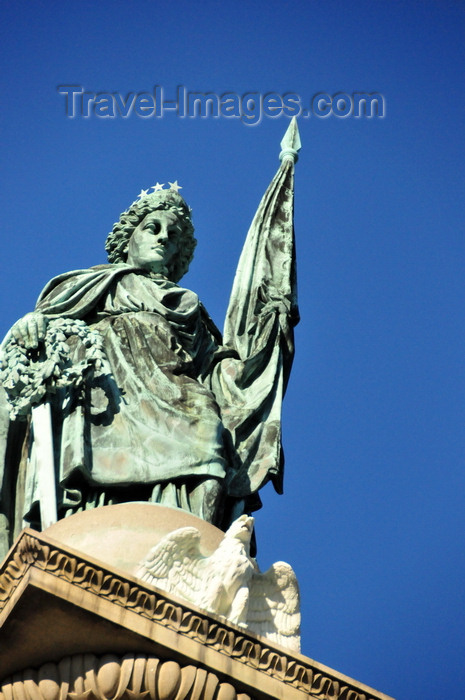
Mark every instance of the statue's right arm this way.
pixel 30 330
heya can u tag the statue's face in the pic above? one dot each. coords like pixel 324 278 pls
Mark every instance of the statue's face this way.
pixel 154 242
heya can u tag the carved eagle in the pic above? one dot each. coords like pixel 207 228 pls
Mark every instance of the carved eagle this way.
pixel 228 582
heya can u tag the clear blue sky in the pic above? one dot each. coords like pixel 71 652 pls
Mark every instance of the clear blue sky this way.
pixel 373 516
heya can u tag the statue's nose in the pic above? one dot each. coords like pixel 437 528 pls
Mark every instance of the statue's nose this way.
pixel 163 234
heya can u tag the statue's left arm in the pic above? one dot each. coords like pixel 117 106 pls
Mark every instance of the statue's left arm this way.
pixel 259 328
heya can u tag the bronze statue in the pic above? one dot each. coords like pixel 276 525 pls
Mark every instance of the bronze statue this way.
pixel 140 396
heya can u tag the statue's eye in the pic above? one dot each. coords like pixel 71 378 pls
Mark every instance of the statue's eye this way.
pixel 153 226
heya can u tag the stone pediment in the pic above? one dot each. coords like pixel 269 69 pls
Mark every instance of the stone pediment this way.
pixel 62 609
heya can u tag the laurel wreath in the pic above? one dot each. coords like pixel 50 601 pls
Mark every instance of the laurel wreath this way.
pixel 28 375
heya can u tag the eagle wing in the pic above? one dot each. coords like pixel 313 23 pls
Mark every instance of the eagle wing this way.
pixel 175 564
pixel 274 605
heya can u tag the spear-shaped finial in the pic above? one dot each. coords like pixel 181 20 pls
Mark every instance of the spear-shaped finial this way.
pixel 291 145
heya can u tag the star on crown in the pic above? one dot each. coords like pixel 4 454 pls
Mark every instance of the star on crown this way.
pixel 173 187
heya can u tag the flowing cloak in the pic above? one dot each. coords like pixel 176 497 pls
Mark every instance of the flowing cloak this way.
pixel 148 416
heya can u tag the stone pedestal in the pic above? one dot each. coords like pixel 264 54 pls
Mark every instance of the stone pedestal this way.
pixel 74 625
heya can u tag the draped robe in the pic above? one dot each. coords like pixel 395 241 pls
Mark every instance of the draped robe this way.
pixel 148 415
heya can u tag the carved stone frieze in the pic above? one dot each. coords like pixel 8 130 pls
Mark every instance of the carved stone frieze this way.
pixel 111 677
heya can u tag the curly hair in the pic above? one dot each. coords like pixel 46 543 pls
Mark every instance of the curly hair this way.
pixel 117 241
